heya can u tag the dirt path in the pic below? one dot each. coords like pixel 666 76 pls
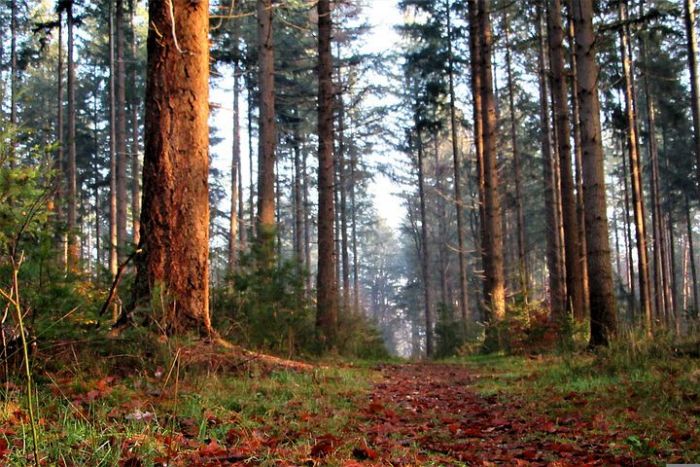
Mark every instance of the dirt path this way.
pixel 428 414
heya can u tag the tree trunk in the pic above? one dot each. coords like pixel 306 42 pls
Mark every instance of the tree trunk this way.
pixel 628 232
pixel 60 163
pixel 342 188
pixel 234 242
pixel 172 267
pixel 457 173
pixel 135 162
pixel 122 152
pixel 251 164
pixel 299 211
pixel 557 284
pixel 327 312
pixel 523 269
pixel 267 136
pixel 73 238
pixel 13 83
pixel 113 257
pixel 602 300
pixel 578 159
pixel 691 252
pixel 572 247
pixel 635 169
pixel 424 246
pixel 477 113
pixel 694 84
pixel 494 280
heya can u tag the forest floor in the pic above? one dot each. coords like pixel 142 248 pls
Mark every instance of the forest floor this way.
pixel 203 406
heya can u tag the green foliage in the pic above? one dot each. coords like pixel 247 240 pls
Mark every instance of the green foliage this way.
pixel 360 338
pixel 450 332
pixel 267 308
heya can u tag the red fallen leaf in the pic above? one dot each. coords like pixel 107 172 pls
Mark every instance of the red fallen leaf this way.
pixel 325 445
pixel 131 461
pixel 549 427
pixel 530 454
pixel 376 407
pixel 305 416
pixel 233 436
pixel 213 449
pixel 364 453
pixel 4 447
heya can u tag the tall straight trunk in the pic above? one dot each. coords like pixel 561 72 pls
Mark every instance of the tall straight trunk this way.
pixel 523 269
pixel 572 247
pixel 694 84
pixel 113 257
pixel 121 147
pixel 424 244
pixel 251 164
pixel 578 160
pixel 267 136
pixel 307 223
pixel 172 265
pixel 635 168
pixel 342 189
pixel 457 174
pixel 494 283
pixel 135 162
pixel 475 38
pixel 299 211
pixel 60 153
pixel 602 300
pixel 73 239
pixel 557 284
pixel 691 252
pixel 96 178
pixel 327 305
pixel 628 231
pixel 13 82
pixel 234 241
pixel 355 258
pixel 441 221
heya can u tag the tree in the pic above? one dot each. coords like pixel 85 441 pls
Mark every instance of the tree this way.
pixel 574 273
pixel 602 301
pixel 267 135
pixel 71 201
pixel 692 44
pixel 172 263
pixel 327 313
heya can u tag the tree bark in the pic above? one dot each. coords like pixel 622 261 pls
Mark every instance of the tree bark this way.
pixel 457 173
pixel 234 238
pixel 494 283
pixel 602 301
pixel 327 306
pixel 523 268
pixel 424 246
pixel 692 41
pixel 691 252
pixel 172 265
pixel 557 284
pixel 135 162
pixel 635 168
pixel 60 152
pixel 572 247
pixel 73 237
pixel 13 83
pixel 121 146
pixel 113 257
pixel 267 136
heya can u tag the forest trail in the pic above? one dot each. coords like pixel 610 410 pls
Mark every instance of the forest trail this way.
pixel 434 409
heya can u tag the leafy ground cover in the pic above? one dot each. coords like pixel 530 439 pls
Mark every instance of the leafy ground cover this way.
pixel 201 405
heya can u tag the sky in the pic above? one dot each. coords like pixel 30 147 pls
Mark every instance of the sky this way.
pixel 382 15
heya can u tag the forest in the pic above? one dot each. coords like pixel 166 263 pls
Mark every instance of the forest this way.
pixel 349 232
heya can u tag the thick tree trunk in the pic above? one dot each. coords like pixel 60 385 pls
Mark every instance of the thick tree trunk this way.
pixel 172 265
pixel 492 243
pixel 457 173
pixel 694 83
pixel 267 136
pixel 635 169
pixel 557 284
pixel 602 300
pixel 523 268
pixel 572 247
pixel 135 162
pixel 327 300
pixel 73 237
pixel 121 146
